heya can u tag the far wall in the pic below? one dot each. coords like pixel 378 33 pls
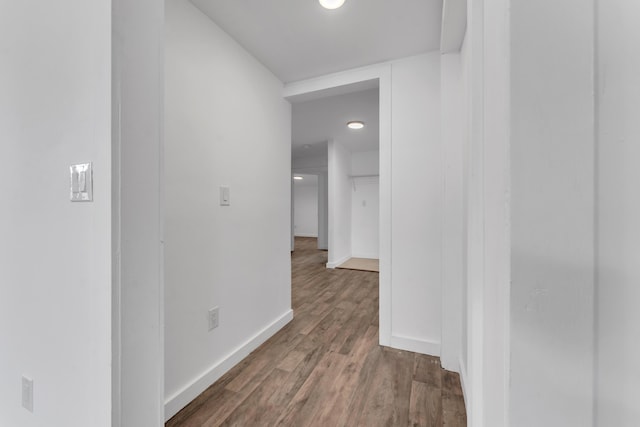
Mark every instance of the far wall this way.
pixel 305 202
pixel 365 205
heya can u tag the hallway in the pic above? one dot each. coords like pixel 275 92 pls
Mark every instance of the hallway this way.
pixel 325 368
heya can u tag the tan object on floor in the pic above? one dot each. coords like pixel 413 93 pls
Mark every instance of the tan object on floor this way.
pixel 364 264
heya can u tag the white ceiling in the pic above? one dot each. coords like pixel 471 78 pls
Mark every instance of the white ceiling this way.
pixel 317 121
pixel 298 39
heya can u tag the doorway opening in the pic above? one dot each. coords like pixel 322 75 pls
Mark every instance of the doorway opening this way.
pixel 358 175
pixel 335 170
pixel 377 76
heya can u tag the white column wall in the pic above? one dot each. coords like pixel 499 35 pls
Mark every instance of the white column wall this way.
pixel 453 134
pixel 618 225
pixel 55 278
pixel 137 123
pixel 552 213
pixel 323 211
pixel 339 204
pixel 417 218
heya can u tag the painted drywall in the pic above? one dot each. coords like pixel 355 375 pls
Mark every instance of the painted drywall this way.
pixel 138 308
pixel 485 365
pixel 339 204
pixel 496 184
pixel 317 165
pixel 552 213
pixel 312 164
pixel 365 163
pixel 417 217
pixel 464 338
pixel 323 211
pixel 365 204
pixel 305 200
pixel 55 279
pixel 618 229
pixel 292 220
pixel 473 376
pixel 365 217
pixel 454 25
pixel 453 137
pixel 221 256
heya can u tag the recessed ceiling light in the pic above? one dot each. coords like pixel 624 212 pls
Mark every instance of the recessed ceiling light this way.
pixel 331 4
pixel 355 125
pixel 297 177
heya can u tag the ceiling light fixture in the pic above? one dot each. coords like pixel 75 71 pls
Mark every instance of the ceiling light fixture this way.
pixel 297 177
pixel 331 4
pixel 355 125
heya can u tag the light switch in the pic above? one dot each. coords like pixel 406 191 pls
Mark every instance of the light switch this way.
pixel 224 196
pixel 81 182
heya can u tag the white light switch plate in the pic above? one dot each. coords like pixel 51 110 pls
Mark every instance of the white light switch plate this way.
pixel 81 182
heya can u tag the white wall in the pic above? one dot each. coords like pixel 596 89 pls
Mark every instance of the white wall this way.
pixel 618 228
pixel 464 65
pixel 305 199
pixel 317 165
pixel 365 162
pixel 365 204
pixel 365 213
pixel 496 183
pixel 138 351
pixel 453 137
pixel 314 165
pixel 339 204
pixel 473 374
pixel 55 279
pixel 485 365
pixel 552 213
pixel 213 88
pixel 417 218
pixel 323 211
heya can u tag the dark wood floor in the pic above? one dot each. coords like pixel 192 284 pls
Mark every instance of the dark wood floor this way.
pixel 325 368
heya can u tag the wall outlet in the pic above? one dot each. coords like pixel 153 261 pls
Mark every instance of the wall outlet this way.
pixel 213 318
pixel 27 393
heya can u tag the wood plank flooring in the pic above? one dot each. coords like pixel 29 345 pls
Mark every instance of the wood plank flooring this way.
pixel 325 368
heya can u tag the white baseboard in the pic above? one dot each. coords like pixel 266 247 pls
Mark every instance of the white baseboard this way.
pixel 432 348
pixel 182 398
pixel 463 383
pixel 306 235
pixel 334 264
